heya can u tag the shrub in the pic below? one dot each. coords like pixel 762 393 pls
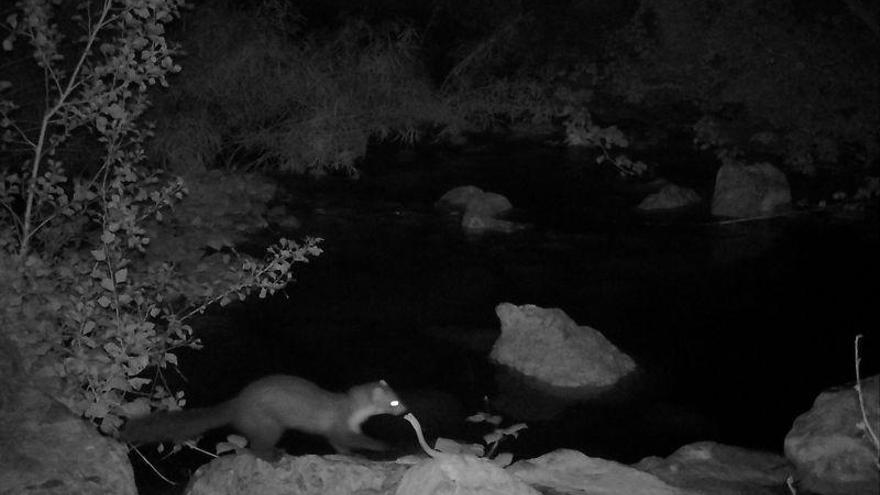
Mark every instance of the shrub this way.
pixel 293 103
pixel 97 320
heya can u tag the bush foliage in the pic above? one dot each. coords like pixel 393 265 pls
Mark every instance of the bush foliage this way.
pixel 95 315
pixel 292 103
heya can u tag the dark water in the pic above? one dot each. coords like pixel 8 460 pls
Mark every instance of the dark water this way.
pixel 736 327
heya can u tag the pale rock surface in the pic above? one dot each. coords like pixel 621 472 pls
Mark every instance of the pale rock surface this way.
pixel 745 191
pixel 455 474
pixel 45 449
pixel 832 452
pixel 244 474
pixel 572 472
pixel 717 469
pixel 548 345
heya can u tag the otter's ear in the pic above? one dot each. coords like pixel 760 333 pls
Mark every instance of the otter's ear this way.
pixel 383 383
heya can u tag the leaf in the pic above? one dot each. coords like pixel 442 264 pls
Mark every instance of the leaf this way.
pixel 112 349
pixel 107 284
pixel 493 437
pixel 137 407
pixel 99 254
pixel 514 430
pixel 237 440
pixel 224 447
pixel 121 276
pixel 104 301
pixel 503 459
pixel 97 410
pixel 136 383
pixel 448 446
pixel 116 111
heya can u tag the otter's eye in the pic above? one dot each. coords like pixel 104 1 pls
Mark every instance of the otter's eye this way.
pixel 395 403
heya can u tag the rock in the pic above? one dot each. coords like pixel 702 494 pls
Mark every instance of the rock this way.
pixel 48 450
pixel 571 472
pixel 461 475
pixel 548 345
pixel 829 447
pixel 669 197
pixel 310 474
pixel 477 224
pixel 282 218
pixel 489 204
pixel 716 469
pixel 743 191
pixel 479 209
pixel 459 198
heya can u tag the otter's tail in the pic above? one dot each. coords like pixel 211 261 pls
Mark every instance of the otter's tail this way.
pixel 176 425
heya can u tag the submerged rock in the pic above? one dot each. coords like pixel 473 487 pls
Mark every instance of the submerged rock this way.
pixel 548 345
pixel 829 446
pixel 670 197
pixel 743 191
pixel 477 223
pixel 713 468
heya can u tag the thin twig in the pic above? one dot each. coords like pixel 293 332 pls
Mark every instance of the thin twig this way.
pixel 858 388
pixel 150 464
pixel 44 127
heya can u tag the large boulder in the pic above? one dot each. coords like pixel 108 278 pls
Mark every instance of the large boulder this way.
pixel 548 345
pixel 245 474
pixel 829 446
pixel 716 469
pixel 571 472
pixel 745 191
pixel 560 471
pixel 479 209
pixel 461 474
pixel 473 199
pixel 45 449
